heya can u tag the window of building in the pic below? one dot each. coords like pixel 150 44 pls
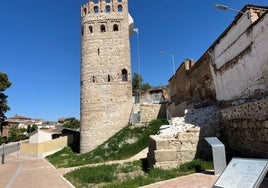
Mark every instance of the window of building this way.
pixel 120 8
pixel 109 78
pixel 124 75
pixel 85 11
pixel 90 28
pixel 93 79
pixel 98 51
pixel 108 8
pixel 103 29
pixel 96 9
pixel 82 31
pixel 115 27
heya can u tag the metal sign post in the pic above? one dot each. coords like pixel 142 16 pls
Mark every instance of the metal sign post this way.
pixel 3 154
pixel 218 152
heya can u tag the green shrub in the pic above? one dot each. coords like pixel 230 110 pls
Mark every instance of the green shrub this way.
pixel 124 144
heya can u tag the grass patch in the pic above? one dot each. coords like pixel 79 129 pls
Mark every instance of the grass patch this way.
pixel 124 144
pixel 130 175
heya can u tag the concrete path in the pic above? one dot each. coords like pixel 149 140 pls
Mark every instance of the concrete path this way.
pixel 26 172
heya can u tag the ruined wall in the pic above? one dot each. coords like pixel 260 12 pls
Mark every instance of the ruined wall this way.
pixel 185 147
pixel 193 81
pixel 106 84
pixel 240 60
pixel 246 127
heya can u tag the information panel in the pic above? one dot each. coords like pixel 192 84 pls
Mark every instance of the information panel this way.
pixel 242 172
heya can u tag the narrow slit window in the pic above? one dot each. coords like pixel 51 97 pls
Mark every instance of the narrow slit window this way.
pixel 90 28
pixel 109 78
pixel 98 51
pixel 82 31
pixel 124 75
pixel 93 79
pixel 85 11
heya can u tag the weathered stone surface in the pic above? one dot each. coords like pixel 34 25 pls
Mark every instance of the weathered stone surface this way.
pixel 165 155
pixel 106 88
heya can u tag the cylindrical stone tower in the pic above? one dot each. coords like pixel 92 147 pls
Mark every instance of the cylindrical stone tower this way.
pixel 106 83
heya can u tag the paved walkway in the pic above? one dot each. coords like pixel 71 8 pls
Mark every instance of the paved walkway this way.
pixel 26 172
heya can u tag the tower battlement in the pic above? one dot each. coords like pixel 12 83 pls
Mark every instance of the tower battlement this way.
pixel 104 6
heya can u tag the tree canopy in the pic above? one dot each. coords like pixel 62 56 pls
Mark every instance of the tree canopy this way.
pixel 4 84
pixel 138 85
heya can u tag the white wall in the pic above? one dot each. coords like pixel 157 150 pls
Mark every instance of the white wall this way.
pixel 248 72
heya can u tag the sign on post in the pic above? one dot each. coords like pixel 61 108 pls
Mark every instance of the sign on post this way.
pixel 218 153
pixel 243 173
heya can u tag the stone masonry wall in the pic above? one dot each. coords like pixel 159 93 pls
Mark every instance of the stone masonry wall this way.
pixel 167 152
pixel 106 84
pixel 152 111
pixel 246 127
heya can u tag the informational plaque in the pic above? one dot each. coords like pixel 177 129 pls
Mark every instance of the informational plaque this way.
pixel 218 152
pixel 243 173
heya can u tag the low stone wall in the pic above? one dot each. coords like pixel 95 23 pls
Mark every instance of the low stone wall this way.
pixel 246 127
pixel 170 152
pixel 43 149
pixel 152 111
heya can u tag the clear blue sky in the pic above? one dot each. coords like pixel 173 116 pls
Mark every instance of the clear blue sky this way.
pixel 40 47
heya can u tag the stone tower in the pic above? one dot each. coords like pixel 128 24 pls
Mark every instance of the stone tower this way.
pixel 106 83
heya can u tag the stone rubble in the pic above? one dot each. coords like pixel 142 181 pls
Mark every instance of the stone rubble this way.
pixel 193 117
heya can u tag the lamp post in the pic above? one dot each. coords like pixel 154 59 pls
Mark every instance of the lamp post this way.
pixel 136 30
pixel 172 57
pixel 224 7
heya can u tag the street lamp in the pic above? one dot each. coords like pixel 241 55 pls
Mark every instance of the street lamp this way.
pixel 224 7
pixel 172 57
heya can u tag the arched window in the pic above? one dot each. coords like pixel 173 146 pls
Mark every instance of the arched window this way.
pixel 109 78
pixel 85 11
pixel 90 28
pixel 115 27
pixel 108 8
pixel 120 8
pixel 102 28
pixel 96 9
pixel 124 75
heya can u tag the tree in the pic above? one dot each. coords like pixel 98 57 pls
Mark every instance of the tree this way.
pixel 138 85
pixel 71 123
pixel 4 84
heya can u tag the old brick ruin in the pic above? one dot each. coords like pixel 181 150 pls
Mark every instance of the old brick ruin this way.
pixel 231 78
